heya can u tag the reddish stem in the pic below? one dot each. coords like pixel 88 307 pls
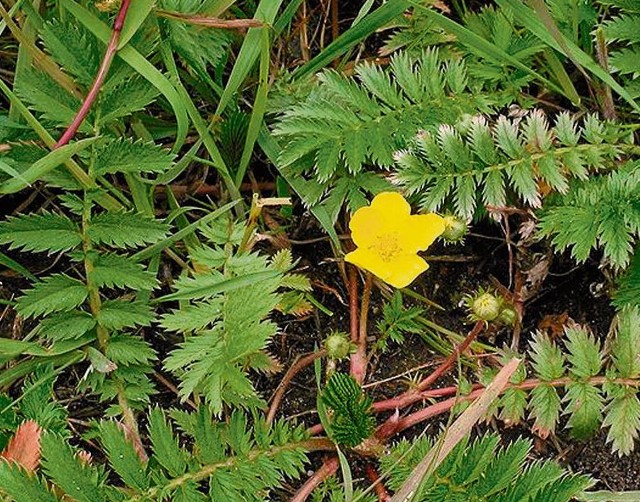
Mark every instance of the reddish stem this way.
pixel 444 406
pixel 359 358
pixel 328 469
pixel 381 492
pixel 296 367
pixel 415 394
pixel 353 302
pixel 352 280
pixel 109 54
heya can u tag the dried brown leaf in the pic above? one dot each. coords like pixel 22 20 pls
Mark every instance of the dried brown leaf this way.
pixel 24 446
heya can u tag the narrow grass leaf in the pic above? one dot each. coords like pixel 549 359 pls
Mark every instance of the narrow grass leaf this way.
pixel 47 163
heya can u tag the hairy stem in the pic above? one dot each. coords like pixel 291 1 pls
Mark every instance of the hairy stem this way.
pixel 95 306
pixel 359 358
pixel 446 405
pixel 415 394
pixel 376 482
pixel 313 444
pixel 109 54
pixel 299 364
pixel 328 469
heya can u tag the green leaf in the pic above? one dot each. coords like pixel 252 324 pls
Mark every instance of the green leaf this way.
pixel 40 232
pixel 166 449
pixel 48 97
pixel 118 314
pixel 623 419
pixel 531 21
pixel 584 353
pixel 115 271
pixel 127 349
pixel 139 63
pixel 22 486
pixel 73 49
pixel 123 457
pixel 625 349
pixel 133 95
pixel 193 317
pixel 351 422
pixel 201 49
pixel 45 165
pixel 53 294
pixel 126 156
pixel 548 360
pixel 585 405
pixel 66 325
pixel 126 230
pixel 545 405
pixel 69 472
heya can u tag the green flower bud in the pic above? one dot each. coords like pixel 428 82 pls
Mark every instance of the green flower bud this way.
pixel 454 228
pixel 338 345
pixel 508 316
pixel 484 307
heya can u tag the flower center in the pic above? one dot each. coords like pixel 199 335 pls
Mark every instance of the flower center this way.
pixel 387 247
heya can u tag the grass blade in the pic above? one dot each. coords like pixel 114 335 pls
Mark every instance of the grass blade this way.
pixel 181 234
pixel 44 165
pixel 484 47
pixel 454 434
pixel 137 14
pixel 249 52
pixel 525 16
pixel 76 171
pixel 221 287
pixel 354 35
pixel 257 111
pixel 16 267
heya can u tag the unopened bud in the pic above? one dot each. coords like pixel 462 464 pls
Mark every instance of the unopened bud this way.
pixel 454 228
pixel 338 346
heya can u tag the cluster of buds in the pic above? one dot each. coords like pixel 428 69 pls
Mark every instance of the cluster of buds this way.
pixel 490 307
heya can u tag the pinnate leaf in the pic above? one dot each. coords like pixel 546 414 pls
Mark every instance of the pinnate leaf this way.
pixel 40 232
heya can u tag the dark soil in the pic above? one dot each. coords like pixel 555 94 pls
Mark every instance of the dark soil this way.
pixel 569 292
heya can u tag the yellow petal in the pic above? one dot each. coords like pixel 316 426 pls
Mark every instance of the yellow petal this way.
pixel 419 231
pixel 365 225
pixel 404 269
pixel 370 261
pixel 399 273
pixel 392 205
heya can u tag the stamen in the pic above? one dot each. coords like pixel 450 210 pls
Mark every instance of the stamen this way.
pixel 387 247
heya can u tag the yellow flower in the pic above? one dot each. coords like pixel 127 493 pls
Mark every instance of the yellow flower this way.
pixel 389 237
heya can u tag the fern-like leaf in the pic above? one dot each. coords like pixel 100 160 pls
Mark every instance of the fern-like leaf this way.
pixel 603 212
pixel 54 294
pixel 511 159
pixel 40 232
pixel 126 156
pixel 481 471
pixel 351 422
pixel 126 230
